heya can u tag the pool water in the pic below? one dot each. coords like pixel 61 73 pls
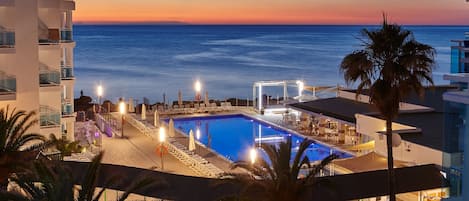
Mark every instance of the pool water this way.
pixel 232 136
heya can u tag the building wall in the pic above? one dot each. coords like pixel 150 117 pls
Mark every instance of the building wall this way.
pixel 28 19
pixel 26 57
pixel 406 151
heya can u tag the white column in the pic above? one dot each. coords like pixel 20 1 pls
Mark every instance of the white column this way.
pixel 284 92
pixel 254 96
pixel 260 98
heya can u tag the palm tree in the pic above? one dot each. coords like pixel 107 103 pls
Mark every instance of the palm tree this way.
pixel 15 141
pixel 391 65
pixel 280 180
pixel 57 184
pixel 65 147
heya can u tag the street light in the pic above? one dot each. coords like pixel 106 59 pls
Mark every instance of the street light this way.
pixel 122 112
pixel 99 92
pixel 253 155
pixel 162 138
pixel 198 88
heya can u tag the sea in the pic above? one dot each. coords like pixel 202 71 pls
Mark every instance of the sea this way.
pixel 152 61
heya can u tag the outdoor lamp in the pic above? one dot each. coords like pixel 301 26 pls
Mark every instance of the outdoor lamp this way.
pixel 122 112
pixel 99 92
pixel 162 134
pixel 253 155
pixel 197 86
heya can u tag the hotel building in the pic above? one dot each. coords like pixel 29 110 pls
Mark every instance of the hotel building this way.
pixel 36 62
pixel 457 103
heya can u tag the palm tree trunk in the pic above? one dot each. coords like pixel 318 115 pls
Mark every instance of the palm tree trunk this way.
pixel 391 177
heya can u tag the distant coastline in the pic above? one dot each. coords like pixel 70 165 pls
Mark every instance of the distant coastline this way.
pixel 180 23
pixel 131 23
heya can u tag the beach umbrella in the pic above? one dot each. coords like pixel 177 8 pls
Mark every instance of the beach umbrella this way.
pixel 206 101
pixel 171 131
pixel 179 98
pixel 191 141
pixel 144 112
pixel 156 119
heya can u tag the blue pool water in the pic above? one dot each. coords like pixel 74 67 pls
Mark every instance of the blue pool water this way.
pixel 232 136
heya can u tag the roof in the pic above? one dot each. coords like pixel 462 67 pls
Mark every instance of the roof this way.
pixel 339 108
pixel 344 187
pixel 431 124
pixel 433 96
pixel 372 160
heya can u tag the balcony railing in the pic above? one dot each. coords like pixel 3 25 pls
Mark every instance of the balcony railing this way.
pixel 7 85
pixel 67 73
pixel 7 39
pixel 48 117
pixel 66 35
pixel 67 109
pixel 49 78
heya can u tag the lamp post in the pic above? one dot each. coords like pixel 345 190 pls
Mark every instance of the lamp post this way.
pixel 122 112
pixel 198 88
pixel 162 138
pixel 99 92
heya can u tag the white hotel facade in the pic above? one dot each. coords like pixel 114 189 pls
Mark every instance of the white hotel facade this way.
pixel 36 62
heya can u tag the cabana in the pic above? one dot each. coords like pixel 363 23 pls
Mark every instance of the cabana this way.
pixel 257 90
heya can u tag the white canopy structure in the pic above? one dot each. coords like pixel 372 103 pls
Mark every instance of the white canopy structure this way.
pixel 257 90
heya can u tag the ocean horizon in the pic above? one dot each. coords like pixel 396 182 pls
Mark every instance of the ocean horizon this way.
pixel 139 61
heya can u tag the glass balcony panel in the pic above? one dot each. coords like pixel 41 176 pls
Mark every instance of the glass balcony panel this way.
pixel 48 116
pixel 67 73
pixel 67 109
pixel 7 85
pixel 7 39
pixel 49 78
pixel 66 35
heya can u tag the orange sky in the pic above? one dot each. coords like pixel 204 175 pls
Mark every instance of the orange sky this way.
pixel 274 11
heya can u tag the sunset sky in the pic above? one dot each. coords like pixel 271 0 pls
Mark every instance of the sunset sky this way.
pixel 440 12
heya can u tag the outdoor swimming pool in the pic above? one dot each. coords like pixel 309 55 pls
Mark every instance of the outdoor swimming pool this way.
pixel 232 136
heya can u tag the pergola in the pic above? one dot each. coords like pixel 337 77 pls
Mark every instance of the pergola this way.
pixel 257 90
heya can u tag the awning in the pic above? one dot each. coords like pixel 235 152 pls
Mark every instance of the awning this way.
pixel 340 187
pixel 338 108
pixel 368 162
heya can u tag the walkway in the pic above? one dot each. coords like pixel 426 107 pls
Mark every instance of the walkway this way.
pixel 138 150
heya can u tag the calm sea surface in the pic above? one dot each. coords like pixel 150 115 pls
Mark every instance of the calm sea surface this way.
pixel 149 60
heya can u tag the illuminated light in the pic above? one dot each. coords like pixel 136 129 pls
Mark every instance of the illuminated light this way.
pixel 253 155
pixel 197 86
pixel 301 86
pixel 122 107
pixel 99 90
pixel 162 135
pixel 275 138
pixel 197 133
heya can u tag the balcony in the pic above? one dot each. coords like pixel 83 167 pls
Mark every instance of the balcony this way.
pixel 48 117
pixel 7 38
pixel 67 73
pixel 49 78
pixel 7 87
pixel 67 109
pixel 66 35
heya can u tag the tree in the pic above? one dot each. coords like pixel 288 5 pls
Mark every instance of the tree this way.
pixel 16 144
pixel 65 147
pixel 280 180
pixel 52 181
pixel 391 65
